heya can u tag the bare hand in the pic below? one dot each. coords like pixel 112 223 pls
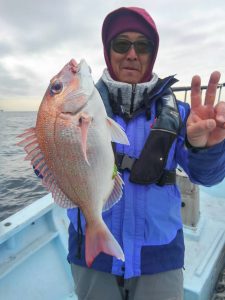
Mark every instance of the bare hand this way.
pixel 206 122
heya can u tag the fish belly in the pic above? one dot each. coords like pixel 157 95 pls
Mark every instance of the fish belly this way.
pixel 88 185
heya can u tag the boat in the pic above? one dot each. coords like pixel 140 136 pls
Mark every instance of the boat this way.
pixel 33 247
pixel 33 251
pixel 203 214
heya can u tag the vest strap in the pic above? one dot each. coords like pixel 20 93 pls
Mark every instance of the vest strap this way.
pixel 125 162
pixel 167 178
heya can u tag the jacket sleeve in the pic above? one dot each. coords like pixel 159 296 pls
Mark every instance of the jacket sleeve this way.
pixel 205 166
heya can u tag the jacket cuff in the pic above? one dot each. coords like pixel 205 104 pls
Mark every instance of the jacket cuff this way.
pixel 218 148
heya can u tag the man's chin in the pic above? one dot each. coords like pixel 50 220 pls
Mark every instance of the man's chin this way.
pixel 130 76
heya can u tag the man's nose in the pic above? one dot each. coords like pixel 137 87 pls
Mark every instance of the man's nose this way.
pixel 131 53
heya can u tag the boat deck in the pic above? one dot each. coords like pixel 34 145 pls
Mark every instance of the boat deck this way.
pixel 33 250
pixel 205 249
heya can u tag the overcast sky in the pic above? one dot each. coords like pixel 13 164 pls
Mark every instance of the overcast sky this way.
pixel 37 38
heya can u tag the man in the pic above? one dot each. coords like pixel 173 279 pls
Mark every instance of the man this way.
pixel 163 133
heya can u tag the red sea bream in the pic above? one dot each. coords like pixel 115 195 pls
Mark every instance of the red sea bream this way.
pixel 71 148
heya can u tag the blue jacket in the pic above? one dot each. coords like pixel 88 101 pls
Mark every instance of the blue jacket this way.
pixel 147 220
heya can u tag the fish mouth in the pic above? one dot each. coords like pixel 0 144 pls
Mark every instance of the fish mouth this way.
pixel 76 99
pixel 74 66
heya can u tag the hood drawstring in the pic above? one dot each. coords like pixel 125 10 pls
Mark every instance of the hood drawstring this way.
pixel 132 98
pixel 80 234
pixel 147 104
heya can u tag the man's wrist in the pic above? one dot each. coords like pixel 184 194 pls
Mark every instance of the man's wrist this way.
pixel 191 147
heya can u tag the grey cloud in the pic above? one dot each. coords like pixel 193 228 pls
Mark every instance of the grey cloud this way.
pixel 37 25
pixel 11 86
pixel 37 28
pixel 197 37
pixel 5 48
pixel 194 25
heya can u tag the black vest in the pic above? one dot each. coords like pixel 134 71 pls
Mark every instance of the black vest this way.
pixel 150 166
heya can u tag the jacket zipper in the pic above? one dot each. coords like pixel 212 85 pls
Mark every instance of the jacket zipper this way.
pixel 132 98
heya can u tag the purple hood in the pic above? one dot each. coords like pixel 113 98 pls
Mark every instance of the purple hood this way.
pixel 129 19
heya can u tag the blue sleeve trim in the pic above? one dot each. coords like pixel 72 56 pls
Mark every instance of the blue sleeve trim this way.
pixel 207 166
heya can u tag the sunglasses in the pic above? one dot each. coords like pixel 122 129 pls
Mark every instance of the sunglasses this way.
pixel 141 46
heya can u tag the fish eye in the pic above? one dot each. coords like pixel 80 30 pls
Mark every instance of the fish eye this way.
pixel 56 87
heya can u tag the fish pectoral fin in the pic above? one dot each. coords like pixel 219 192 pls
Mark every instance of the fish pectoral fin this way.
pixel 118 134
pixel 116 193
pixel 84 123
pixel 99 239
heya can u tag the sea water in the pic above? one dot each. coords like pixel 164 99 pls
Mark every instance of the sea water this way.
pixel 19 186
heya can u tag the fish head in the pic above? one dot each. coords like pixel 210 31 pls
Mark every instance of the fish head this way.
pixel 69 90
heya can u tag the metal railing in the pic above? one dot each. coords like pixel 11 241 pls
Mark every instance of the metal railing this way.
pixel 185 89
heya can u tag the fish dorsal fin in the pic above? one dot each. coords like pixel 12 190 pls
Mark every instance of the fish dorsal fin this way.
pixel 118 134
pixel 116 193
pixel 34 154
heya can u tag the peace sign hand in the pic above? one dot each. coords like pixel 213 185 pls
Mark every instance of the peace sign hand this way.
pixel 206 122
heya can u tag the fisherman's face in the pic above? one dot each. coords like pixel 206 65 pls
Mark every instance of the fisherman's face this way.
pixel 130 66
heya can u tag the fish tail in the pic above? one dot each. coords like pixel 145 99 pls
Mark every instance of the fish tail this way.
pixel 99 239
